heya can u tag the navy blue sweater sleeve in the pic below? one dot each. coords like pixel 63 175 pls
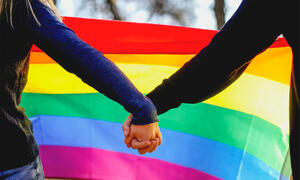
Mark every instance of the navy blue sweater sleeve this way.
pixel 77 57
pixel 253 27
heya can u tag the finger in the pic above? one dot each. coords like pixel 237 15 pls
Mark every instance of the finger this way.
pixel 134 143
pixel 149 148
pixel 139 144
pixel 126 125
pixel 158 135
pixel 143 151
pixel 125 130
pixel 159 138
pixel 155 146
pixel 128 140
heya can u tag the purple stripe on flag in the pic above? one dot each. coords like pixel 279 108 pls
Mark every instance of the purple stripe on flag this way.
pixel 92 163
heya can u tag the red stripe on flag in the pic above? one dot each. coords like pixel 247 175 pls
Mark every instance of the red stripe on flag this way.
pixel 118 37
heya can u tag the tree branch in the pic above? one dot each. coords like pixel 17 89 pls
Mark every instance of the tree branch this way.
pixel 114 10
pixel 219 10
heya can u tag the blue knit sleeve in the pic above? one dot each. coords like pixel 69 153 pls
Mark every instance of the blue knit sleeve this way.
pixel 77 57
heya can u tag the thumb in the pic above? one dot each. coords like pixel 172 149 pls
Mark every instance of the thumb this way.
pixel 139 144
pixel 159 137
pixel 126 125
pixel 128 139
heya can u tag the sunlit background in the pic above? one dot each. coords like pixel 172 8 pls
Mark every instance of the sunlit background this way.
pixel 203 14
pixel 192 13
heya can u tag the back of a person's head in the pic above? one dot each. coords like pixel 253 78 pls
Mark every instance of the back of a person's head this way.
pixel 6 9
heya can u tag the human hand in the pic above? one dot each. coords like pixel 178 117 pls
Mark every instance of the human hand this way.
pixel 145 138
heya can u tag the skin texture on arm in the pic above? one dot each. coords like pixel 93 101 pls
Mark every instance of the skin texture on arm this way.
pixel 254 26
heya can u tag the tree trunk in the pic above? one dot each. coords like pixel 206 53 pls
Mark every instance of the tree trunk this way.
pixel 219 10
pixel 114 10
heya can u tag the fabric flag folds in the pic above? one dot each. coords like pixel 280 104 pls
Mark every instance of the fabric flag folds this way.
pixel 241 133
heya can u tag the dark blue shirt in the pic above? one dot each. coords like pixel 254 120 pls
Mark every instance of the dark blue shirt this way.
pixel 253 28
pixel 18 146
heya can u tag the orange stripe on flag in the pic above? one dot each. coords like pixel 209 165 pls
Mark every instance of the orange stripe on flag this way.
pixel 273 64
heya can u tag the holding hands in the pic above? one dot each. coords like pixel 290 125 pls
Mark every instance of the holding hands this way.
pixel 145 138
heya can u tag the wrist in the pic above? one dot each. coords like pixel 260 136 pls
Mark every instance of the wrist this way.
pixel 145 114
pixel 164 97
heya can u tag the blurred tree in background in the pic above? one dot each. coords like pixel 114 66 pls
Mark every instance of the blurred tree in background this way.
pixel 219 10
pixel 177 12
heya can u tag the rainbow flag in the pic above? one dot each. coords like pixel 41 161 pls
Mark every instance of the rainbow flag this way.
pixel 241 133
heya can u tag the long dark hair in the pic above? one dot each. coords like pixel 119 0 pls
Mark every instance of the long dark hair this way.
pixel 6 8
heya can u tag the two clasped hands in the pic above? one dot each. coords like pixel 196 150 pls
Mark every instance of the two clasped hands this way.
pixel 144 138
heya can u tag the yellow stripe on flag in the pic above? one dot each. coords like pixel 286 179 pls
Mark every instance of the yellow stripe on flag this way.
pixel 273 64
pixel 250 94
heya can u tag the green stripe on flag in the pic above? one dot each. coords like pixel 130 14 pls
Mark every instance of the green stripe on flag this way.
pixel 244 131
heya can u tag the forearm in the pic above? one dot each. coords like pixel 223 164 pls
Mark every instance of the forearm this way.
pixel 198 80
pixel 253 27
pixel 100 73
pixel 77 57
